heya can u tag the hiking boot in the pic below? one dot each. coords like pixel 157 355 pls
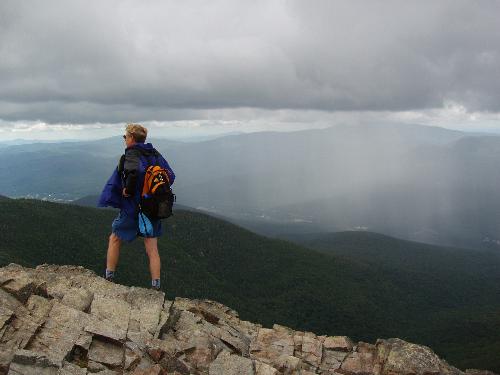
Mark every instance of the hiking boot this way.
pixel 155 284
pixel 109 275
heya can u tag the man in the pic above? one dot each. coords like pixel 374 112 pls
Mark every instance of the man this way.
pixel 123 190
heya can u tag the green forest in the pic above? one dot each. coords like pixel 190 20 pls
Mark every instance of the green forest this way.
pixel 362 285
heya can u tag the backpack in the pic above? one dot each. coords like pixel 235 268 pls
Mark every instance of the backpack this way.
pixel 157 198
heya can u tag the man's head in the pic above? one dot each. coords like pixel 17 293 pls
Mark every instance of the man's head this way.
pixel 135 133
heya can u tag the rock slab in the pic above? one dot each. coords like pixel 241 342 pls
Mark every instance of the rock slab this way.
pixel 66 320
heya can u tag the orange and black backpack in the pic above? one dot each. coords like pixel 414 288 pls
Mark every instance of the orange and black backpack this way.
pixel 157 198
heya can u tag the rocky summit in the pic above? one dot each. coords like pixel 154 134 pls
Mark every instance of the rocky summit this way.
pixel 67 320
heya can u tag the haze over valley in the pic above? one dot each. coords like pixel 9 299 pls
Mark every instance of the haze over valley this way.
pixel 414 182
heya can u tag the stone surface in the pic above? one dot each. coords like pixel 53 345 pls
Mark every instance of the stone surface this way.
pixel 19 281
pixel 113 309
pixel 5 315
pixel 21 288
pixel 78 298
pixel 131 359
pixel 173 364
pixel 312 349
pixel 13 336
pixel 264 369
pixel 84 341
pixel 358 364
pixel 108 353
pixel 152 370
pixel 94 367
pixel 231 364
pixel 236 339
pixel 26 362
pixel 39 308
pixel 338 343
pixel 60 332
pixel 146 306
pixel 9 302
pixel 401 357
pixel 164 318
pixel 332 360
pixel 271 344
pixel 287 364
pixel 106 328
pixel 65 320
pixel 71 369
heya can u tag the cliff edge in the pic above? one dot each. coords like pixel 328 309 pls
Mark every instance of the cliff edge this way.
pixel 67 320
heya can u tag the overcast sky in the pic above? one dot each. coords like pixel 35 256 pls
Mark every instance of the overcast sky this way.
pixel 73 69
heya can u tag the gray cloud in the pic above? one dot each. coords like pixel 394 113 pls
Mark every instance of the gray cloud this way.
pixel 165 60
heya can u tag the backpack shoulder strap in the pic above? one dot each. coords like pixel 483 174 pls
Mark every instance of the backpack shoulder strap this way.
pixel 147 155
pixel 121 164
pixel 156 154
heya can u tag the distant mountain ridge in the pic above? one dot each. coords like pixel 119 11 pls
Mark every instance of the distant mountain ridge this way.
pixel 414 182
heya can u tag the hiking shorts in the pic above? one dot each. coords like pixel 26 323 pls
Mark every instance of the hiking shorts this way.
pixel 126 227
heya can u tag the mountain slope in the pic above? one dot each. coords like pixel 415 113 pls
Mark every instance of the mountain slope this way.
pixel 379 249
pixel 413 182
pixel 274 281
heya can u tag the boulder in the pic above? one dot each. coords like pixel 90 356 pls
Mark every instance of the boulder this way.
pixel 113 309
pixel 131 359
pixel 358 364
pixel 264 369
pixel 152 370
pixel 338 343
pixel 146 306
pixel 39 308
pixel 19 281
pixel 71 369
pixel 105 328
pixel 26 362
pixel 271 344
pixel 13 336
pixel 60 332
pixel 65 320
pixel 5 315
pixel 164 318
pixel 107 353
pixel 401 357
pixel 231 364
pixel 312 349
pixel 78 298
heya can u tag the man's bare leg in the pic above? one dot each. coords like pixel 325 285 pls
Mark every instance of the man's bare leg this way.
pixel 151 245
pixel 113 252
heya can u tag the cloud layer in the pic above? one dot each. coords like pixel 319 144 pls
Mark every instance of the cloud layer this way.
pixel 170 60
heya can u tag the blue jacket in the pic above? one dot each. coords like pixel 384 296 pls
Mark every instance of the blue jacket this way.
pixel 130 174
